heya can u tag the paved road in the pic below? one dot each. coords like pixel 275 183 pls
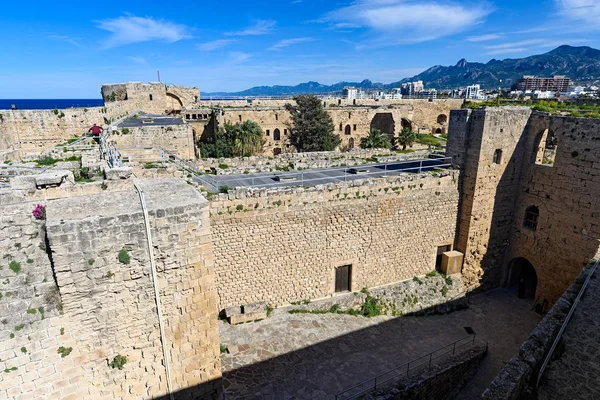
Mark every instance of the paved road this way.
pixel 325 175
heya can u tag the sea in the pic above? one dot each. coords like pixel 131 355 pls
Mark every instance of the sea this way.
pixel 49 104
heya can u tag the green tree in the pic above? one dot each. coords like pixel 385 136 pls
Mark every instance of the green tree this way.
pixel 312 127
pixel 234 140
pixel 406 138
pixel 376 140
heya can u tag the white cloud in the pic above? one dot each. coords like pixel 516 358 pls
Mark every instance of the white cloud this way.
pixel 289 42
pixel 215 44
pixel 261 27
pixel 409 21
pixel 586 11
pixel 131 29
pixel 524 45
pixel 238 57
pixel 68 39
pixel 484 38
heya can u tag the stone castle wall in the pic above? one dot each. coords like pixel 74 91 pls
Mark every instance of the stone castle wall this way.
pixel 281 246
pixel 177 138
pixel 495 195
pixel 96 307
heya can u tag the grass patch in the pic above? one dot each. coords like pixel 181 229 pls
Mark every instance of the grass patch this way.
pixel 223 349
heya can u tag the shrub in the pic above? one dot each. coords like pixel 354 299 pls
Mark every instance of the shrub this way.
pixel 91 261
pixel 124 256
pixel 239 207
pixel 125 131
pixel 223 348
pixel 14 266
pixel 24 350
pixel 29 261
pixel 46 161
pixel 444 291
pixel 269 310
pixel 224 189
pixel 64 351
pixel 371 307
pixel 416 279
pixel 118 362
pixel 223 166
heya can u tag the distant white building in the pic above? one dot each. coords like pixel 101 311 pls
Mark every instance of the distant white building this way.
pixel 473 92
pixel 351 93
pixel 412 88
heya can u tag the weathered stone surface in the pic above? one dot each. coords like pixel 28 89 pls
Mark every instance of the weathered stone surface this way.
pixel 23 182
pixel 247 317
pixel 54 178
pixel 254 307
pixel 118 173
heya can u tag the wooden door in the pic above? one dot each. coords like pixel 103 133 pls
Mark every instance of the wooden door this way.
pixel 342 279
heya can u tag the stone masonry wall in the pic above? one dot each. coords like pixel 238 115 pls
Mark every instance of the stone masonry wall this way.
pixel 495 195
pixel 177 138
pixel 283 245
pixel 103 307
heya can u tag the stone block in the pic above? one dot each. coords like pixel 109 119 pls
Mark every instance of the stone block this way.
pixel 23 183
pixel 231 311
pixel 54 178
pixel 247 317
pixel 113 174
pixel 254 307
pixel 452 262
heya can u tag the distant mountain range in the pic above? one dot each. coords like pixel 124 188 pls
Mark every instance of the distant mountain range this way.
pixel 581 64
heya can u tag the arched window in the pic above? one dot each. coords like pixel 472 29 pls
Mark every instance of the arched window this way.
pixel 277 134
pixel 531 218
pixel 497 156
pixel 348 130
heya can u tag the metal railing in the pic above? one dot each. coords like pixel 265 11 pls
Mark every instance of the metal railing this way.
pixel 349 173
pixel 109 151
pixel 403 370
pixel 564 325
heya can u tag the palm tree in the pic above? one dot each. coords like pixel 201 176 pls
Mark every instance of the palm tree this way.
pixel 376 140
pixel 406 138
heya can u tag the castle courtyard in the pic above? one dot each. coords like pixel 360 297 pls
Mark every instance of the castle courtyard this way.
pixel 309 356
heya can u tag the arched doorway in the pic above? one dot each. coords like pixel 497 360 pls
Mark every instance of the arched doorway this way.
pixel 350 143
pixel 277 134
pixel 523 278
pixel 348 130
pixel 442 119
pixel 438 131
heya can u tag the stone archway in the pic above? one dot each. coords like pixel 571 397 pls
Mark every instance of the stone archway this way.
pixel 177 101
pixel 439 131
pixel 276 134
pixel 348 130
pixel 405 123
pixel 522 276
pixel 350 143
pixel 442 119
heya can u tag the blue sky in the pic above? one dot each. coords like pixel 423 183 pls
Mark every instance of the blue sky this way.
pixel 64 49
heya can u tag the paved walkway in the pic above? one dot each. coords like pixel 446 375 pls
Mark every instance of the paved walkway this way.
pixel 307 356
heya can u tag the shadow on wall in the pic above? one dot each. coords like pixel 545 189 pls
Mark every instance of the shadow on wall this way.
pixel 323 369
pixel 532 237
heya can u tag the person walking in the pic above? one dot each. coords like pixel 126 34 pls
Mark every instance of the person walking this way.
pixel 96 132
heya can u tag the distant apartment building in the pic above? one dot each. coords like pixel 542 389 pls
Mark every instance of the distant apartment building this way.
pixel 351 93
pixel 530 83
pixel 473 92
pixel 412 88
